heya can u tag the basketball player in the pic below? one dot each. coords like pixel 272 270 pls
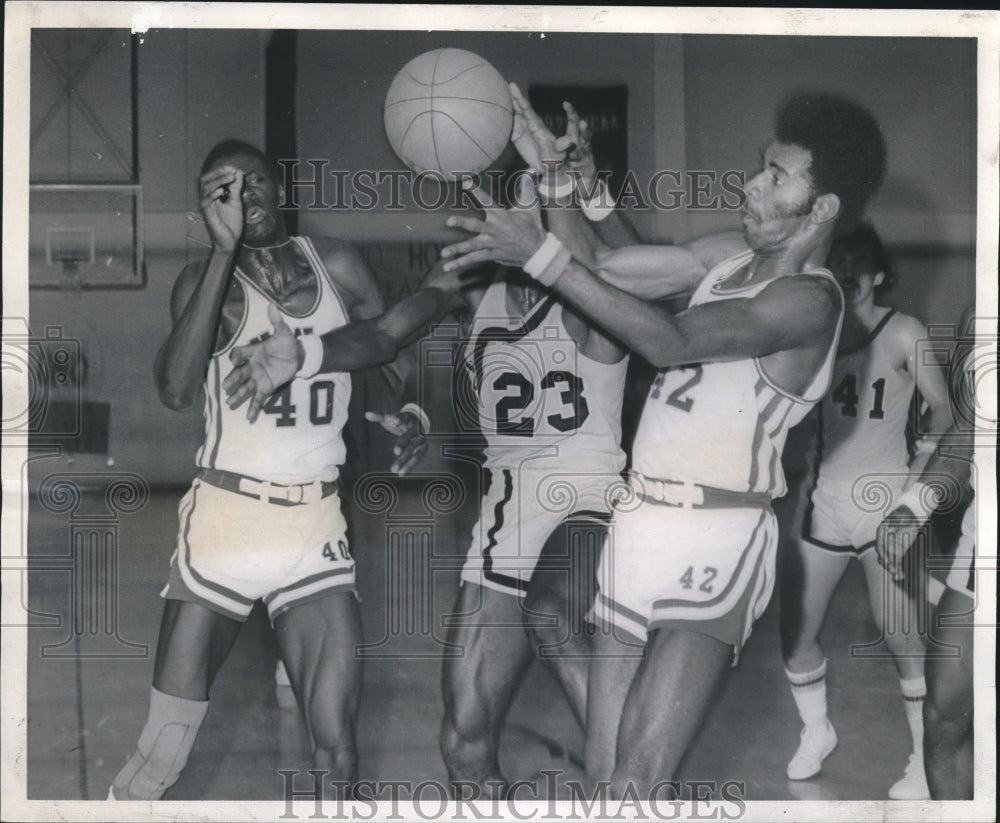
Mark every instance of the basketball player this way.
pixel 547 388
pixel 262 519
pixel 862 448
pixel 948 708
pixel 689 563
pixel 547 394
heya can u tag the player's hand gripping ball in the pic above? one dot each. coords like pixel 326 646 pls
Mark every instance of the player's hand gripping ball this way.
pixel 450 112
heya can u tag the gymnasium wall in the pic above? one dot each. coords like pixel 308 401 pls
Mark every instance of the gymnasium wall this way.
pixel 694 102
pixel 195 88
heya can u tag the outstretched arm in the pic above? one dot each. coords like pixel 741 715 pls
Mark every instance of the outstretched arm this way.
pixel 262 368
pixel 785 315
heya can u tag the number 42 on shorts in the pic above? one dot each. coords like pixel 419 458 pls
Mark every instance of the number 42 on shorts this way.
pixel 709 574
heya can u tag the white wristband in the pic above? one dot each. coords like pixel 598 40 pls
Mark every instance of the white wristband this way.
pixel 916 498
pixel 536 264
pixel 420 414
pixel 312 346
pixel 556 267
pixel 597 208
pixel 926 445
pixel 564 187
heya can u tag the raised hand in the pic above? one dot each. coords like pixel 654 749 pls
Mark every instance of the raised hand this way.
pixel 542 150
pixel 222 206
pixel 579 155
pixel 532 138
pixel 506 236
pixel 260 369
pixel 411 442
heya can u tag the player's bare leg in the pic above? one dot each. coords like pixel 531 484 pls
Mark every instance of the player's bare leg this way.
pixel 616 658
pixel 478 685
pixel 895 612
pixel 671 693
pixel 194 642
pixel 808 580
pixel 948 708
pixel 317 640
pixel 562 590
pixel 807 585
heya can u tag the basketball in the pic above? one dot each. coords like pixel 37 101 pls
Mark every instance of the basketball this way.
pixel 448 111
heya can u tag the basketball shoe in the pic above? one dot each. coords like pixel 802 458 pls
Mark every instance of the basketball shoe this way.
pixel 816 743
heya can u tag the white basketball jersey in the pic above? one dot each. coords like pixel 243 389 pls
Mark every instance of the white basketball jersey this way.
pixel 863 418
pixel 297 437
pixel 723 424
pixel 542 404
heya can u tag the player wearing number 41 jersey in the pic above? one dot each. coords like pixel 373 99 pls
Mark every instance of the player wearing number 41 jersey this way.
pixel 863 467
pixel 262 519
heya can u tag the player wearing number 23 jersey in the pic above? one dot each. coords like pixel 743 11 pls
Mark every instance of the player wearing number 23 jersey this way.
pixel 706 464
pixel 226 551
pixel 551 417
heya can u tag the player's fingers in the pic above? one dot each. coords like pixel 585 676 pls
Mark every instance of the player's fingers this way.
pixel 535 123
pixel 277 319
pixel 405 437
pixel 469 224
pixel 471 259
pixel 572 116
pixel 527 194
pixel 239 375
pixel 481 196
pixel 238 395
pixel 222 176
pixel 390 422
pixel 565 144
pixel 256 404
pixel 409 459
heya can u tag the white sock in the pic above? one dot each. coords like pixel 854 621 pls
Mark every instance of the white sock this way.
pixel 914 692
pixel 163 747
pixel 809 691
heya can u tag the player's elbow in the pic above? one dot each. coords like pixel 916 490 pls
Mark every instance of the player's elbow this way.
pixel 384 345
pixel 175 397
pixel 661 353
pixel 176 394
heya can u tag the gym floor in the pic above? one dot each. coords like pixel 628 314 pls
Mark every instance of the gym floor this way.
pixel 85 712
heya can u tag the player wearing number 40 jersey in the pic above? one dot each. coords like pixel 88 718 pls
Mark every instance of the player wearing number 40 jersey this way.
pixel 262 519
pixel 863 467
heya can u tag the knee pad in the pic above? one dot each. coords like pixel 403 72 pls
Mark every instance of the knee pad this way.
pixel 163 748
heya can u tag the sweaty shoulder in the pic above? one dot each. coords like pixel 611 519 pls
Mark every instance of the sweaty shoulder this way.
pixel 716 248
pixel 802 305
pixel 352 275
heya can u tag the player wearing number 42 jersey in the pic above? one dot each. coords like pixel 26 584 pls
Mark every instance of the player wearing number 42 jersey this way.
pixel 689 560
pixel 863 467
pixel 262 519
